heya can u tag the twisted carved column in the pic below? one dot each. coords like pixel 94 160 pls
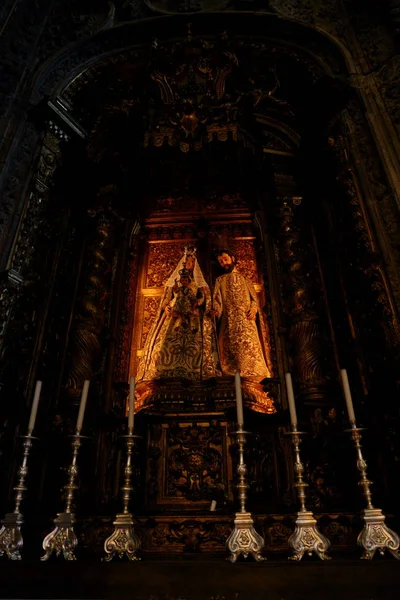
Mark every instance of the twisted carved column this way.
pixel 90 309
pixel 301 302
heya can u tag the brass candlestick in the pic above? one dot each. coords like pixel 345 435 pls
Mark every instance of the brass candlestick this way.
pixel 375 535
pixel 124 540
pixel 63 538
pixel 306 538
pixel 244 539
pixel 11 541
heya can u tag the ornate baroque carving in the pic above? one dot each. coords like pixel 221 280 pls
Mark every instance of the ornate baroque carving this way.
pixel 126 322
pixel 90 311
pixel 245 254
pixel 368 260
pixel 194 462
pixel 379 198
pixel 149 313
pixel 163 259
pixel 301 299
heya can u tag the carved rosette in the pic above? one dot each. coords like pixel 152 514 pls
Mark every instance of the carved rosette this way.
pixel 90 310
pixel 301 304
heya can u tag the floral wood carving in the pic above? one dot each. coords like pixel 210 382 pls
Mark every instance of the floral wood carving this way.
pixel 151 305
pixel 163 259
pixel 300 302
pixel 245 254
pixel 194 462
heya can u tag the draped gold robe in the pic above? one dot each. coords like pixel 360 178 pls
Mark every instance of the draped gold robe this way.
pixel 240 340
pixel 177 346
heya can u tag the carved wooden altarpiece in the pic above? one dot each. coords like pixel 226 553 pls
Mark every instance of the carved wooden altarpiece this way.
pixel 187 423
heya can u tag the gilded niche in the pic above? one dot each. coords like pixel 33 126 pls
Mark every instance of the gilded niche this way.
pixel 178 353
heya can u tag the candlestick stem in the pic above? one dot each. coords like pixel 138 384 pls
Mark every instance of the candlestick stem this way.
pixel 244 539
pixel 11 540
pixel 306 537
pixel 62 539
pixel 375 535
pixel 124 540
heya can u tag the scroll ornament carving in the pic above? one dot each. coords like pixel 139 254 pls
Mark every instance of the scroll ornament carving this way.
pixel 37 203
pixel 150 311
pixel 163 259
pixel 301 303
pixel 14 178
pixel 19 310
pixel 190 534
pixel 245 255
pixel 194 462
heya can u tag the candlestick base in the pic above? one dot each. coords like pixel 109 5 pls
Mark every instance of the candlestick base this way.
pixel 123 540
pixel 376 535
pixel 244 539
pixel 307 539
pixel 11 541
pixel 62 539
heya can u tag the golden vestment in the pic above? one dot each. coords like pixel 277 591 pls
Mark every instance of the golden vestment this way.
pixel 182 344
pixel 240 341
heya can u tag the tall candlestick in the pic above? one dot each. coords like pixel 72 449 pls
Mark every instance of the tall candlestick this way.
pixel 82 406
pixel 290 394
pixel 131 413
pixel 347 395
pixel 239 401
pixel 35 404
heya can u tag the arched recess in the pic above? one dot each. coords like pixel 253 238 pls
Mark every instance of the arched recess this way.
pixel 295 119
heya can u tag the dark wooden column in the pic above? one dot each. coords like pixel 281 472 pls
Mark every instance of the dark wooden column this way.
pixel 301 294
pixel 85 343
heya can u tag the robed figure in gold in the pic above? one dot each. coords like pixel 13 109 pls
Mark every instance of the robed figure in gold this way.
pixel 241 338
pixel 181 342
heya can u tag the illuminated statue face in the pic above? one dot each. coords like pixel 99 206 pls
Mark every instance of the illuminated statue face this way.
pixel 185 281
pixel 190 263
pixel 226 261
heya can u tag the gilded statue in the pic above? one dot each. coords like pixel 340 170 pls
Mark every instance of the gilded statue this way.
pixel 181 342
pixel 241 339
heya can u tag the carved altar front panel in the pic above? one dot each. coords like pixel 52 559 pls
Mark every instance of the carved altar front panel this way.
pixel 188 463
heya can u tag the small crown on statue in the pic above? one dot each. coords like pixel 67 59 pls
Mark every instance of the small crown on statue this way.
pixel 189 251
pixel 185 273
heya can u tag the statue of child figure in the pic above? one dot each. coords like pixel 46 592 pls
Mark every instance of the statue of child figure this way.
pixel 187 300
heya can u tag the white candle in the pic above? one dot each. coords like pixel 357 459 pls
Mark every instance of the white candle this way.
pixel 239 401
pixel 290 395
pixel 213 505
pixel 35 404
pixel 82 406
pixel 347 395
pixel 131 413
